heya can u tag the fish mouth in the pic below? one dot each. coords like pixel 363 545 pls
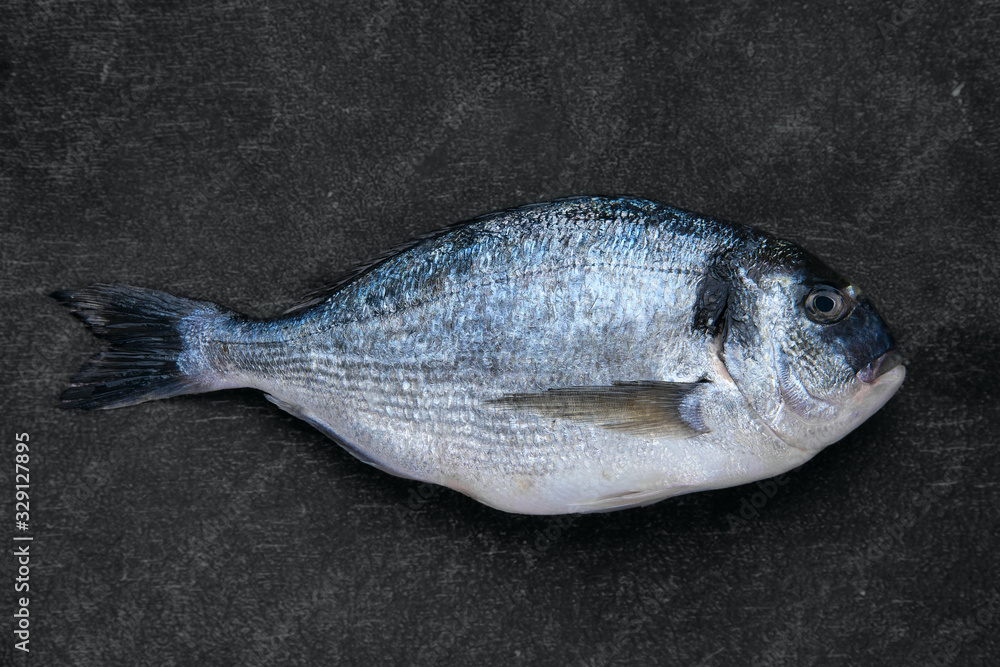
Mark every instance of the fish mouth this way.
pixel 879 366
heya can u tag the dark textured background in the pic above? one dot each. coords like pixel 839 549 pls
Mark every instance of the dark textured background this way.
pixel 246 152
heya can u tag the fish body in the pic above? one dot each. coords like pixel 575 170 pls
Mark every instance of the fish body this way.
pixel 582 355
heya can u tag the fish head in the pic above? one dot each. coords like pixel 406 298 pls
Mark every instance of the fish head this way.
pixel 806 348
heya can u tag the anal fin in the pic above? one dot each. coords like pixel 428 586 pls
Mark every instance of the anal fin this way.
pixel 297 411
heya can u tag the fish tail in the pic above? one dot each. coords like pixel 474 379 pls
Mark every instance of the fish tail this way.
pixel 153 350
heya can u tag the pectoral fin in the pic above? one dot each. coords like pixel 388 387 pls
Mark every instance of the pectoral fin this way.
pixel 646 407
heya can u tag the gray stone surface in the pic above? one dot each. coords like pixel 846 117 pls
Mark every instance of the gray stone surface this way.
pixel 246 152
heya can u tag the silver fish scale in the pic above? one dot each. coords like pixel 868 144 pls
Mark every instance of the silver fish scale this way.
pixel 574 356
pixel 401 362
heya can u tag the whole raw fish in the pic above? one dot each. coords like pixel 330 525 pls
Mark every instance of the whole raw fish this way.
pixel 581 355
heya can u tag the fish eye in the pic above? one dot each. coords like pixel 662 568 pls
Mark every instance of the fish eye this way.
pixel 826 305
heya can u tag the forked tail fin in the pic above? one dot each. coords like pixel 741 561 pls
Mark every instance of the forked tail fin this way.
pixel 151 353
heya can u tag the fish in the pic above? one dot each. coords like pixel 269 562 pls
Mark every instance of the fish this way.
pixel 581 355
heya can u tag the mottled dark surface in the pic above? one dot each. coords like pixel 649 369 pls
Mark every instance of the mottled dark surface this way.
pixel 247 152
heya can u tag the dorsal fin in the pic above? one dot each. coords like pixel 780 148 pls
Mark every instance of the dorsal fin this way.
pixel 321 294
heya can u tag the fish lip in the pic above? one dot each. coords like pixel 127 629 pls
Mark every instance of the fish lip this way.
pixel 876 368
